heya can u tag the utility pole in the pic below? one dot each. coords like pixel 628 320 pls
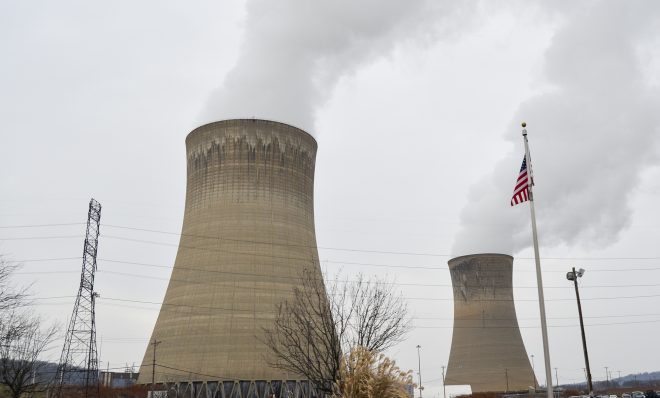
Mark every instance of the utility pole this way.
pixel 444 392
pixel 556 378
pixel 153 368
pixel 419 370
pixel 506 376
pixel 607 377
pixel 573 276
pixel 534 372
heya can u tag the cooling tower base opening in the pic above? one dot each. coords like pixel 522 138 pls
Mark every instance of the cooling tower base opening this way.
pixel 241 389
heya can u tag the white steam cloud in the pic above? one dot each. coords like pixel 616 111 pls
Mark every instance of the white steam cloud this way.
pixel 590 135
pixel 294 52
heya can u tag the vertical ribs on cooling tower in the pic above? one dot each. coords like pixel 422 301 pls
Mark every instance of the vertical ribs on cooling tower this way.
pixel 248 234
pixel 487 350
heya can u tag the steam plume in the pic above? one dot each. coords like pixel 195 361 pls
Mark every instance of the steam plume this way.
pixel 591 135
pixel 294 52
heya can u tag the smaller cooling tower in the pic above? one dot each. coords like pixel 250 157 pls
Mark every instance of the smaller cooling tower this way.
pixel 487 351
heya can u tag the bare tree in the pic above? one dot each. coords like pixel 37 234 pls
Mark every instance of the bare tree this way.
pixel 318 326
pixel 10 297
pixel 305 338
pixel 22 343
pixel 22 339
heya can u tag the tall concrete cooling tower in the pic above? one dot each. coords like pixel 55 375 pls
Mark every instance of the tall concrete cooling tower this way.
pixel 248 234
pixel 487 351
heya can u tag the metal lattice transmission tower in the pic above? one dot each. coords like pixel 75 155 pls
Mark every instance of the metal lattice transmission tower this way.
pixel 78 367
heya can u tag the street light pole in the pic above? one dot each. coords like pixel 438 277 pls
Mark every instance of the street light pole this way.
pixel 419 370
pixel 444 392
pixel 573 276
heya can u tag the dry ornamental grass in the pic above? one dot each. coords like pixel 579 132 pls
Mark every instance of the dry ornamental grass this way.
pixel 365 374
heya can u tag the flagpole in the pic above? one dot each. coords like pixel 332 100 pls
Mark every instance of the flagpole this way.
pixel 539 277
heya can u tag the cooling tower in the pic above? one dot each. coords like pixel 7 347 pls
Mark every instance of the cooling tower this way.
pixel 487 351
pixel 248 234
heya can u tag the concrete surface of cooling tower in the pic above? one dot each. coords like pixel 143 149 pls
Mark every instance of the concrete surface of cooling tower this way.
pixel 248 234
pixel 487 350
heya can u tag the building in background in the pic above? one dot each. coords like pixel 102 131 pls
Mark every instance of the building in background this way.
pixel 248 235
pixel 487 350
pixel 118 379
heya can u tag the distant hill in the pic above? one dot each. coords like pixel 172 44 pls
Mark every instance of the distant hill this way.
pixel 631 381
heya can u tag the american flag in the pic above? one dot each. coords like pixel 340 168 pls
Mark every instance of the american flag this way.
pixel 521 191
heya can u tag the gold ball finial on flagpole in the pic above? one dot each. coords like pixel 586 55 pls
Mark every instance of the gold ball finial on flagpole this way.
pixel 524 124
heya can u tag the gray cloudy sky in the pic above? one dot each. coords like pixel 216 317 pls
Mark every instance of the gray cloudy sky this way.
pixel 416 108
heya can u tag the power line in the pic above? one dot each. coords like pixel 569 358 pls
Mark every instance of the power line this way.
pixel 249 274
pixel 414 327
pixel 277 244
pixel 534 327
pixel 353 249
pixel 35 260
pixel 407 298
pixel 393 283
pixel 424 318
pixel 40 225
pixel 337 262
pixel 343 263
pixel 198 236
pixel 195 373
pixel 486 300
pixel 480 326
pixel 536 318
pixel 44 237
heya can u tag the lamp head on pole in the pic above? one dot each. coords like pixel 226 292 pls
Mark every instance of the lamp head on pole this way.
pixel 524 132
pixel 573 275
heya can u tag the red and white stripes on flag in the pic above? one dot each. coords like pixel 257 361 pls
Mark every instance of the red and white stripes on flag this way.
pixel 521 191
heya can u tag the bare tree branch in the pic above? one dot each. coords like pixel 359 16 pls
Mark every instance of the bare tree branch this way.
pixel 10 297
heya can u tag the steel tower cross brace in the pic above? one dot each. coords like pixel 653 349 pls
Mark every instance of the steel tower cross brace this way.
pixel 78 367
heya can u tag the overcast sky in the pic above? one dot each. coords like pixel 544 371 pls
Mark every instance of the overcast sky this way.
pixel 416 107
